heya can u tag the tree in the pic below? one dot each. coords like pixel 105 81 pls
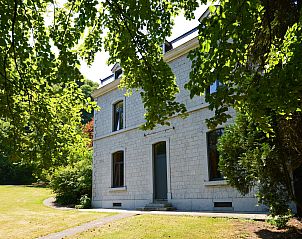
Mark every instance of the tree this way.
pixel 40 102
pixel 88 130
pixel 250 46
pixel 87 87
pixel 253 47
pixel 41 43
pixel 249 159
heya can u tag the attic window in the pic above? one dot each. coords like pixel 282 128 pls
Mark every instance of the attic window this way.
pixel 167 46
pixel 118 73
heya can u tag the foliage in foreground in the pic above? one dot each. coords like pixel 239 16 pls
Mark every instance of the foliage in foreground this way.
pixel 40 101
pixel 253 47
pixel 73 184
pixel 250 159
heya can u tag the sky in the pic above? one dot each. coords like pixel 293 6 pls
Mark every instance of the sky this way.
pixel 99 68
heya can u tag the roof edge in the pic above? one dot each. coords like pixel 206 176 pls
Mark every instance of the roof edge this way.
pixel 181 50
pixel 168 57
pixel 106 88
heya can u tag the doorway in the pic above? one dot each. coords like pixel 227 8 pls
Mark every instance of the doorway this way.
pixel 160 171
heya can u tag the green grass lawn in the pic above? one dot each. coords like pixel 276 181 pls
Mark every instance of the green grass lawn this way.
pixel 23 215
pixel 162 226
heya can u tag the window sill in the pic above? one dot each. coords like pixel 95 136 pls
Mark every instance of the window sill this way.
pixel 216 183
pixel 118 130
pixel 119 189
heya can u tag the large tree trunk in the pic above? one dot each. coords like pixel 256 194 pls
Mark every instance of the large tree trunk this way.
pixel 290 139
pixel 298 189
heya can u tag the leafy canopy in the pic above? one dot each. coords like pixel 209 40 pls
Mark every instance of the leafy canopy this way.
pixel 41 44
pixel 251 46
pixel 40 102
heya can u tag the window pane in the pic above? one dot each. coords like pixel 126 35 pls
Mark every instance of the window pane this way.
pixel 118 116
pixel 213 87
pixel 118 169
pixel 213 155
pixel 160 148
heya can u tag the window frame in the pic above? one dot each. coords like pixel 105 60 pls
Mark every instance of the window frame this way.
pixel 212 176
pixel 115 118
pixel 120 182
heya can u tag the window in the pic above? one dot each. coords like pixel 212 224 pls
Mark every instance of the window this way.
pixel 118 169
pixel 213 155
pixel 118 116
pixel 167 46
pixel 213 87
pixel 118 74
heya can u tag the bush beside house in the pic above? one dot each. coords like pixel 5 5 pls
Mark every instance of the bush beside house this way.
pixel 72 184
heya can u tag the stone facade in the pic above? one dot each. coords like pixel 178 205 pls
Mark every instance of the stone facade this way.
pixel 188 184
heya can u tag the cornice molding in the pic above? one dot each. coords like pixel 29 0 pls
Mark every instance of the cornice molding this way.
pixel 181 50
pixel 106 88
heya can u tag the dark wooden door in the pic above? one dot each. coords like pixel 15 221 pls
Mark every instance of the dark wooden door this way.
pixel 160 171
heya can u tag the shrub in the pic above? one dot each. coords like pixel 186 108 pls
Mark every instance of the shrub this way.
pixel 12 169
pixel 280 221
pixel 85 202
pixel 72 182
pixel 249 159
pixel 15 173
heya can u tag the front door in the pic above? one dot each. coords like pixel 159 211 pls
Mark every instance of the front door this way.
pixel 160 171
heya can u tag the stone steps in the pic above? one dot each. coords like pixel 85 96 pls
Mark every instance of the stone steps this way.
pixel 158 206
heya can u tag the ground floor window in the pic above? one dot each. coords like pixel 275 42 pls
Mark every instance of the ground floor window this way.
pixel 118 169
pixel 213 155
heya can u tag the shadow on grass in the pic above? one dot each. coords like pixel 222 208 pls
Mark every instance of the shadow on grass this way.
pixel 38 185
pixel 290 233
pixel 51 202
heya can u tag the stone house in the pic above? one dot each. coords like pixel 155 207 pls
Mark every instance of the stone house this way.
pixel 176 164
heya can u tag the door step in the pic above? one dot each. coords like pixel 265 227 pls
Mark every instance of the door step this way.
pixel 158 206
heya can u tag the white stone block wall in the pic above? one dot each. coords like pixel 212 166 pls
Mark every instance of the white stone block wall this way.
pixel 187 161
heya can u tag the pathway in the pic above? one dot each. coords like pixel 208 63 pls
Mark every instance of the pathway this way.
pixel 254 216
pixel 129 213
pixel 237 215
pixel 86 226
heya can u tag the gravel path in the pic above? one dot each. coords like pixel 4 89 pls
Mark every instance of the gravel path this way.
pixel 240 215
pixel 86 226
pixel 50 202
